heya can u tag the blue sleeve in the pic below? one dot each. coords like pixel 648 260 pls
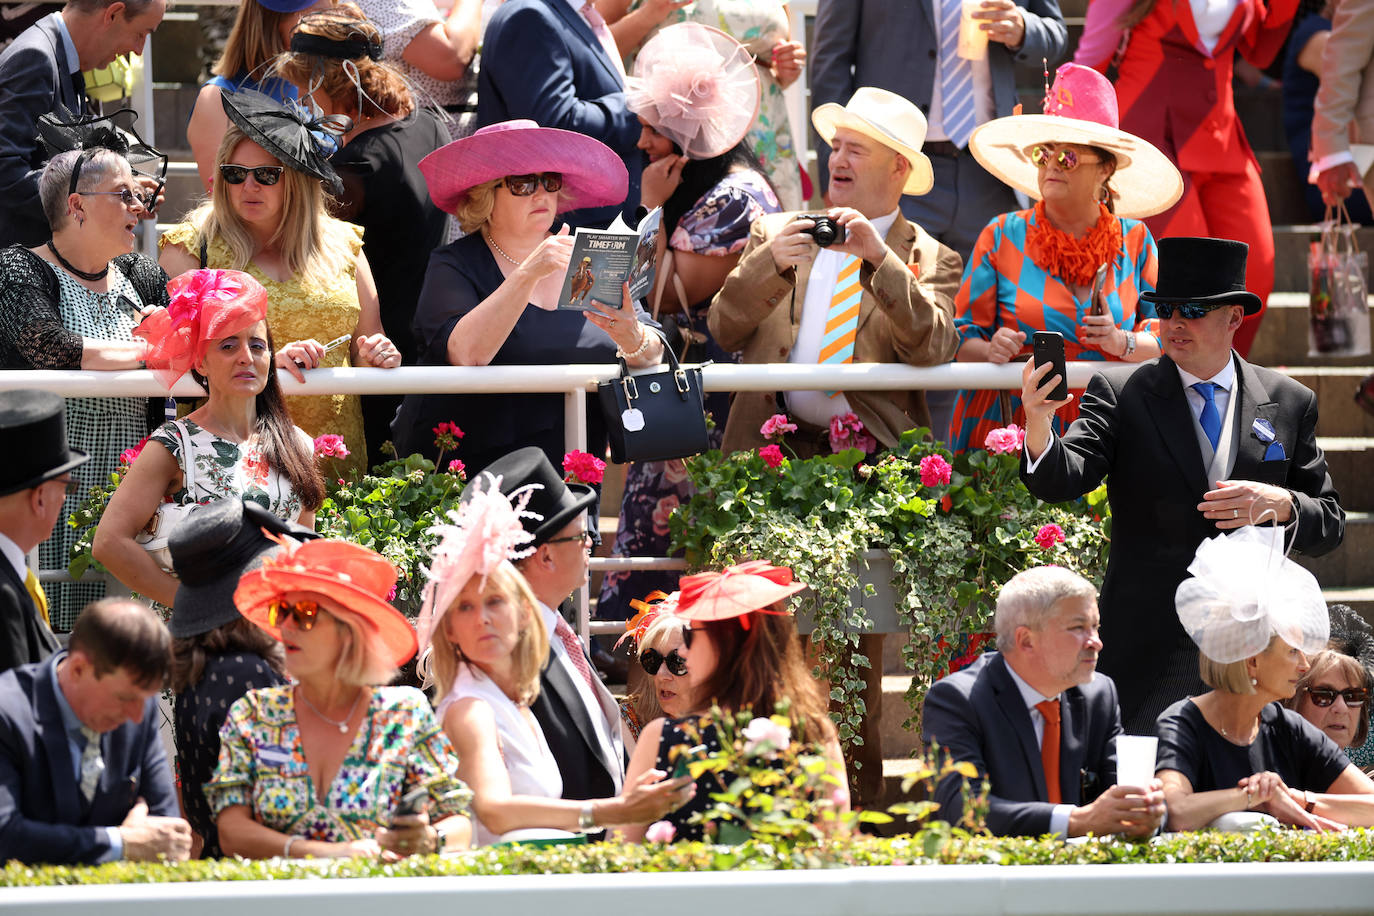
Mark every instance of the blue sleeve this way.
pixel 1046 35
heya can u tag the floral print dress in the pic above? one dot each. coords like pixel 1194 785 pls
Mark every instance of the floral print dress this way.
pixel 398 747
pixel 223 469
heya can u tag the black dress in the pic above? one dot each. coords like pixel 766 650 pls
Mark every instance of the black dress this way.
pixel 197 714
pixel 1287 744
pixel 385 193
pixel 687 733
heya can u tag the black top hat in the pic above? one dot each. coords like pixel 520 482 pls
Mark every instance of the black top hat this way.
pixel 211 550
pixel 289 133
pixel 555 502
pixel 1203 270
pixel 33 436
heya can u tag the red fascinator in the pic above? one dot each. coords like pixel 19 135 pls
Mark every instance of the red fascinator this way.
pixel 736 591
pixel 207 305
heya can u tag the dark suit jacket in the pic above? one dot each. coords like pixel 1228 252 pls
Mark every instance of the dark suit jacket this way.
pixel 24 637
pixel 540 60
pixel 1135 429
pixel 35 78
pixel 891 44
pixel 977 714
pixel 43 816
pixel 568 728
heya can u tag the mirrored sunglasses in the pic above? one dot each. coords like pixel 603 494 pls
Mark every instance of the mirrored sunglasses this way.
pixel 262 174
pixel 1189 310
pixel 305 613
pixel 1324 696
pixel 651 660
pixel 525 185
pixel 126 197
pixel 1067 159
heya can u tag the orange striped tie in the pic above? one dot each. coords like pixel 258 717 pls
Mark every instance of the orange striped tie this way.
pixel 842 320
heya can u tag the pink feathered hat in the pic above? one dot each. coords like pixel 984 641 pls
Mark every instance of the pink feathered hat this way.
pixel 593 175
pixel 1080 108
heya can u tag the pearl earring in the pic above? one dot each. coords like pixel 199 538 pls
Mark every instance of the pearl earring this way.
pixel 1254 682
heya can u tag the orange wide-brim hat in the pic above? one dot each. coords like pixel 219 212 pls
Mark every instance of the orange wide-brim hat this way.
pixel 736 591
pixel 353 577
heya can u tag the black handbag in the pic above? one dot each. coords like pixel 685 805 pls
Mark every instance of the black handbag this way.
pixel 654 416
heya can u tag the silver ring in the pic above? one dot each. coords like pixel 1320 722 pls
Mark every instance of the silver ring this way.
pixel 1235 513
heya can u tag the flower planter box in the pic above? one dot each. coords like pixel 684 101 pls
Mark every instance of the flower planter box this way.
pixel 880 607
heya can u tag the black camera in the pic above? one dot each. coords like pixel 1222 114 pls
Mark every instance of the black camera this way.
pixel 826 232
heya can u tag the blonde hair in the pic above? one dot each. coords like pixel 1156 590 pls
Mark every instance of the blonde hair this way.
pixel 253 41
pixel 364 659
pixel 656 636
pixel 438 665
pixel 1232 677
pixel 379 87
pixel 476 207
pixel 312 253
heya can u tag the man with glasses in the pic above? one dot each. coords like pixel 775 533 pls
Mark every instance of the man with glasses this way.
pixel 579 717
pixel 1195 443
pixel 35 479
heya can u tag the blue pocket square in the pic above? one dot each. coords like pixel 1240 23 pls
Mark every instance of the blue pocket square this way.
pixel 1274 452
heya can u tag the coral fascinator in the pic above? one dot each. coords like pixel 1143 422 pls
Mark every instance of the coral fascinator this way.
pixel 736 591
pixel 206 305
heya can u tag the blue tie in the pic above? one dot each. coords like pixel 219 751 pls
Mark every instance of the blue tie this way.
pixel 1209 419
pixel 956 79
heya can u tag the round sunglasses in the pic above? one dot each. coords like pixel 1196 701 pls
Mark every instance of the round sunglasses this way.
pixel 525 185
pixel 128 198
pixel 651 660
pixel 1323 697
pixel 1066 159
pixel 305 613
pixel 1189 310
pixel 262 174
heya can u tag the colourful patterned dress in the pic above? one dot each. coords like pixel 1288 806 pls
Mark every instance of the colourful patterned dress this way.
pixel 229 469
pixel 758 25
pixel 297 310
pixel 1005 287
pixel 398 747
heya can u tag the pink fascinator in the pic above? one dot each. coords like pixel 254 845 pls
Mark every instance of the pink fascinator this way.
pixel 486 531
pixel 206 305
pixel 697 86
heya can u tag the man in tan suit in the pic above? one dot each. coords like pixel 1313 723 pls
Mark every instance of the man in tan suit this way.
pixel 902 280
pixel 1345 100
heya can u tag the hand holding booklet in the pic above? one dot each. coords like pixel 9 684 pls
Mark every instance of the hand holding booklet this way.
pixel 605 259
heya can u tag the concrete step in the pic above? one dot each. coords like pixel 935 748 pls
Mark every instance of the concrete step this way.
pixel 898 741
pixel 1335 388
pixel 1283 187
pixel 1350 462
pixel 1282 337
pixel 1360 599
pixel 1261 114
pixel 1291 244
pixel 1350 565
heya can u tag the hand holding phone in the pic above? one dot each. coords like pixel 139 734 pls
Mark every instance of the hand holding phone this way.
pixel 1048 347
pixel 416 801
pixel 684 759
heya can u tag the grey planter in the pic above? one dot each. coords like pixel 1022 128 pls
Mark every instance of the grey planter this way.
pixel 880 607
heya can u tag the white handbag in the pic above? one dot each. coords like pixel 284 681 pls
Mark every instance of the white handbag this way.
pixel 153 537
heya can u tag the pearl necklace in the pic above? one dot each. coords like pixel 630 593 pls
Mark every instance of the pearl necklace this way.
pixel 342 726
pixel 491 240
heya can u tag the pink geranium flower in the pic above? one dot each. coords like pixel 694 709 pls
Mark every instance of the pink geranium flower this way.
pixel 1005 440
pixel 457 468
pixel 934 471
pixel 847 431
pixel 330 446
pixel 771 455
pixel 129 455
pixel 446 436
pixel 1048 536
pixel 583 467
pixel 776 426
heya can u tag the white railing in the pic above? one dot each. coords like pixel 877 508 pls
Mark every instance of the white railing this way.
pixel 573 382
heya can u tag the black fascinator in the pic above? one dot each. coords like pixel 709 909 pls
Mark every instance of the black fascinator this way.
pixel 1352 635
pixel 62 131
pixel 300 139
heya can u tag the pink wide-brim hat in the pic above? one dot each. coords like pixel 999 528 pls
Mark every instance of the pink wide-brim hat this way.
pixel 593 175
pixel 1081 109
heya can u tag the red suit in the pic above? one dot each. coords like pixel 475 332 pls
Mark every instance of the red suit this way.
pixel 1175 94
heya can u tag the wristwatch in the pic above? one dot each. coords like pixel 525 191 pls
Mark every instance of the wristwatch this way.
pixel 1130 344
pixel 440 838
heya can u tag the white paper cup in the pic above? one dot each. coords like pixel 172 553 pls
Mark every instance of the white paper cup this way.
pixel 973 41
pixel 1135 760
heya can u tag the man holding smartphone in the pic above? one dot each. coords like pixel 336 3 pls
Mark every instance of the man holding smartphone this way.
pixel 1192 444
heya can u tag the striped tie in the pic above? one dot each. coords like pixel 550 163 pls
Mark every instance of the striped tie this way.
pixel 837 344
pixel 956 79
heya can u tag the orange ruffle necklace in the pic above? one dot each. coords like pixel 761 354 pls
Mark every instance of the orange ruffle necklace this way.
pixel 1073 260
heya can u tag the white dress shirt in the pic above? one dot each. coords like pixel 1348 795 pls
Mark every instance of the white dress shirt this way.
pixel 1059 816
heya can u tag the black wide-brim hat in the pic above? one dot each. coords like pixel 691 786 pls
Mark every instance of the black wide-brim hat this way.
pixel 294 140
pixel 211 550
pixel 1208 271
pixel 555 501
pixel 33 434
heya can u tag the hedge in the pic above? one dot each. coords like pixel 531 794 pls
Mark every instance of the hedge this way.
pixel 929 847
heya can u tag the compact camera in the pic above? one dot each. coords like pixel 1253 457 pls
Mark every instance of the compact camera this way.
pixel 826 232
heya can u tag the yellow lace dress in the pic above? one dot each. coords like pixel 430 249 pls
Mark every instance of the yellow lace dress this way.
pixel 297 310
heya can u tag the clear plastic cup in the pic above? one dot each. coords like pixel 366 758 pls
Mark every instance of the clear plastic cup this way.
pixel 973 41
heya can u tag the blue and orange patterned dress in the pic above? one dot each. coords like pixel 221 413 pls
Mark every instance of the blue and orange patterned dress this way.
pixel 398 747
pixel 1004 286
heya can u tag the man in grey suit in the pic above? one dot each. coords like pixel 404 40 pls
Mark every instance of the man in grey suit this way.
pixel 40 73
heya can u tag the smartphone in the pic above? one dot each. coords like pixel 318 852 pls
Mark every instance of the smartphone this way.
pixel 413 802
pixel 1095 306
pixel 1048 347
pixel 337 342
pixel 686 757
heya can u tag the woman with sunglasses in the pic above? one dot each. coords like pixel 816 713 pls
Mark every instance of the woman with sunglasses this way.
pixel 483 645
pixel 266 216
pixel 489 298
pixel 73 303
pixel 318 768
pixel 742 654
pixel 239 443
pixel 1075 263
pixel 1334 694
pixel 656 635
pixel 1255 617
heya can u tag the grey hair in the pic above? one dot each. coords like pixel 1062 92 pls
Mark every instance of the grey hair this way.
pixel 57 176
pixel 1029 597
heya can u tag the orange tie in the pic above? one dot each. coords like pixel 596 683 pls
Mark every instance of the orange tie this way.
pixel 1049 748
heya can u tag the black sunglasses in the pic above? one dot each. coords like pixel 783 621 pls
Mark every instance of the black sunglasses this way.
pixel 652 659
pixel 687 632
pixel 1190 310
pixel 305 613
pixel 262 174
pixel 1323 697
pixel 525 185
pixel 126 197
